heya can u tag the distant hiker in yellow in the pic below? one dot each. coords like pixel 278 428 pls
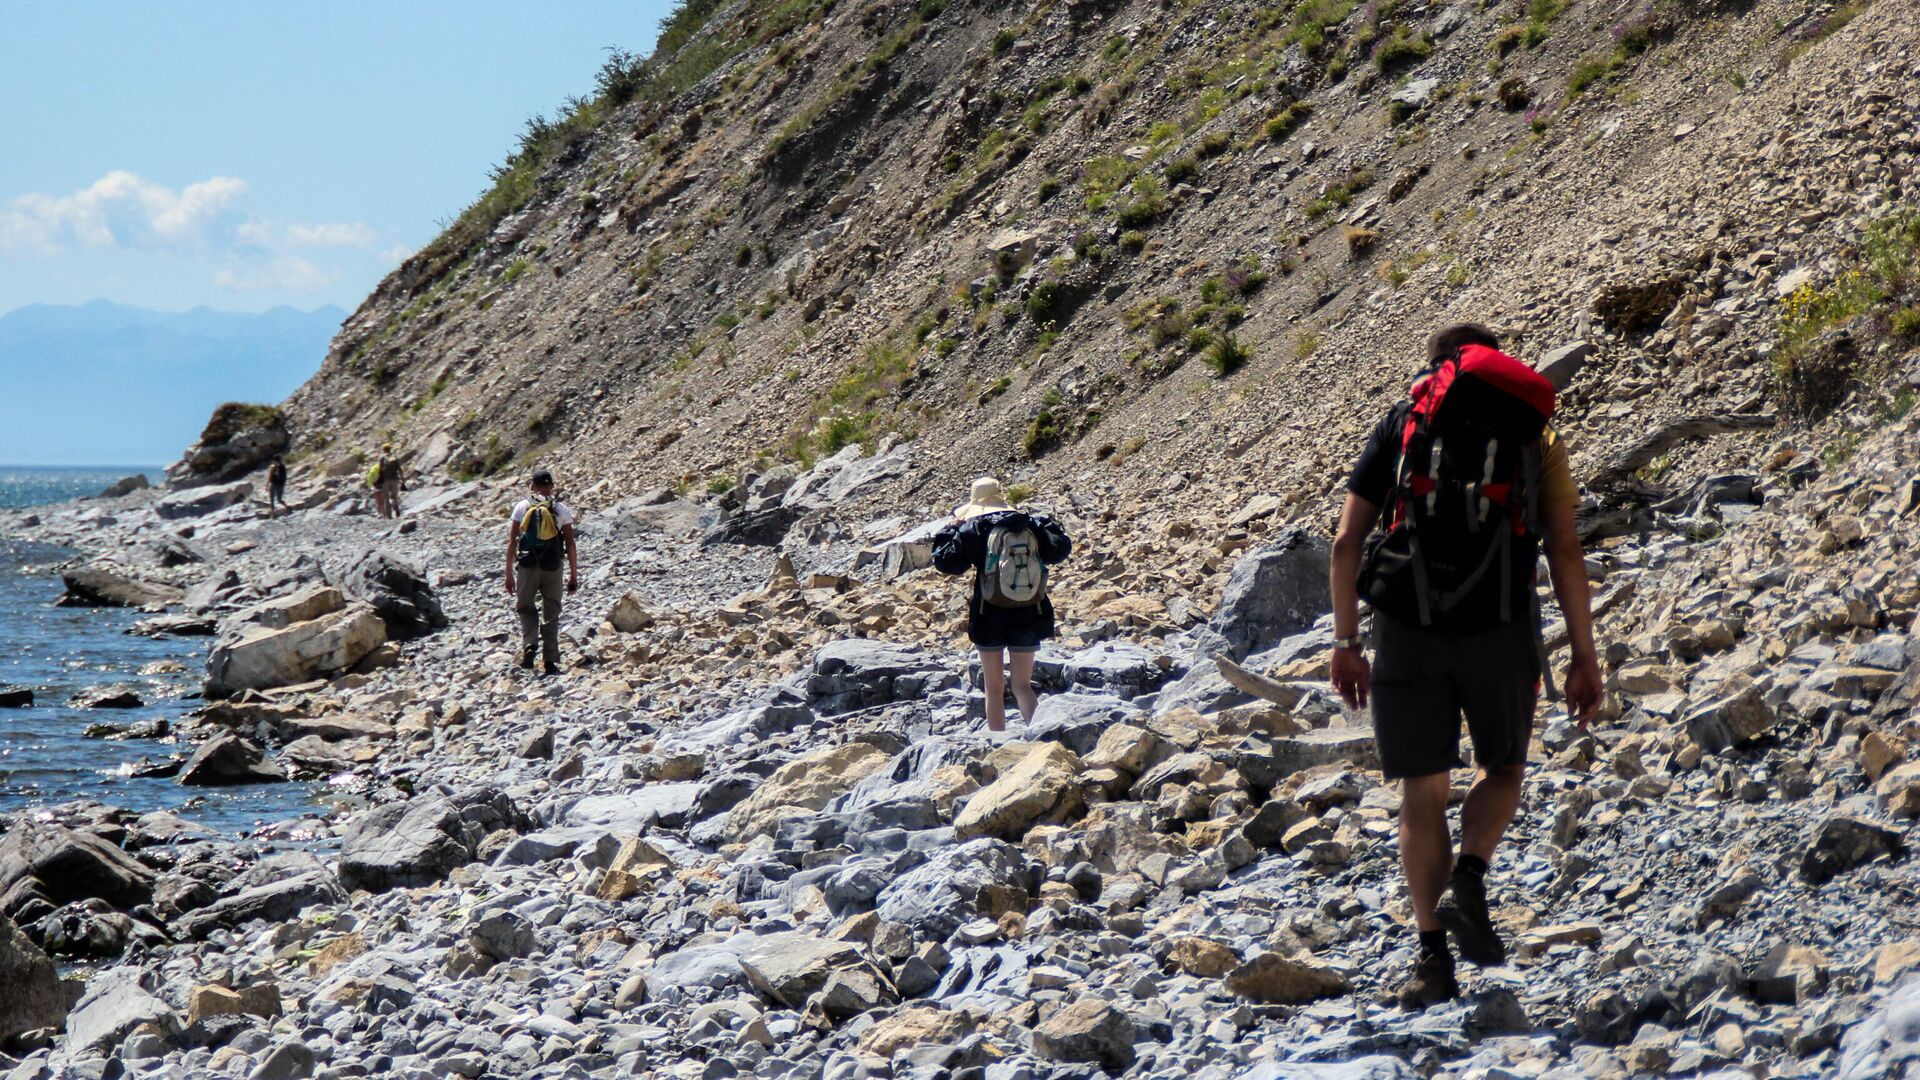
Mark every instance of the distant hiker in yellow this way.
pixel 541 529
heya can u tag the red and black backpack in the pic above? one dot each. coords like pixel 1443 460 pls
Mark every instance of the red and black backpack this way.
pixel 1460 535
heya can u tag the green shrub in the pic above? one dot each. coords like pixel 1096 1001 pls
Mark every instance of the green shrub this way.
pixel 1181 170
pixel 1225 355
pixel 720 485
pixel 1592 70
pixel 1146 204
pixel 945 346
pixel 1133 240
pixel 1079 85
pixel 1214 143
pixel 1043 434
pixel 1814 367
pixel 1044 299
pixel 1049 187
pixel 1004 40
pixel 1019 493
pixel 1282 123
pixel 1402 50
pixel 516 268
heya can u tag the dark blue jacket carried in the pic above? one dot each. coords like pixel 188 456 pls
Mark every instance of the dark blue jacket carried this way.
pixel 962 546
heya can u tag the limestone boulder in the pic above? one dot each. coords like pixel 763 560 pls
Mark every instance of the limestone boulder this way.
pixel 226 759
pixel 1274 592
pixel 860 673
pixel 31 995
pixel 58 865
pixel 262 657
pixel 101 585
pixel 302 605
pixel 789 967
pixel 918 1026
pixel 805 784
pixel 1729 721
pixel 272 901
pixel 398 592
pixel 955 884
pixel 1278 980
pixel 405 845
pixel 1041 786
pixel 630 614
pixel 201 501
pixel 1841 842
pixel 238 439
pixel 115 1003
pixel 1089 1030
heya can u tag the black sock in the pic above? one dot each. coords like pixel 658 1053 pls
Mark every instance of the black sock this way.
pixel 1432 942
pixel 1471 864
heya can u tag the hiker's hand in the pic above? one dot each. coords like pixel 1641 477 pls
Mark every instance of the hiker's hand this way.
pixel 1351 676
pixel 573 583
pixel 510 583
pixel 1583 690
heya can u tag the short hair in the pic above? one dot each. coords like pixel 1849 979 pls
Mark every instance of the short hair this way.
pixel 1451 339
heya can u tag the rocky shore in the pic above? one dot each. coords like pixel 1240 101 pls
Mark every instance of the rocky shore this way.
pixel 757 828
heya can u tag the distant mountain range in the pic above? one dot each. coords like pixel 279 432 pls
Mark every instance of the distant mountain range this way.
pixel 108 384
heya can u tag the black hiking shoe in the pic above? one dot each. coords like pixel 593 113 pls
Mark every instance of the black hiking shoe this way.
pixel 1431 983
pixel 1464 913
pixel 526 659
pixel 551 668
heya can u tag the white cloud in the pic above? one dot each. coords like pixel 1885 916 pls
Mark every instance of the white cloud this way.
pixel 355 235
pixel 281 272
pixel 125 210
pixel 397 254
pixel 122 209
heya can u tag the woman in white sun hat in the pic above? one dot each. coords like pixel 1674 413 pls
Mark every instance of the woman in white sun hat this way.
pixel 1008 613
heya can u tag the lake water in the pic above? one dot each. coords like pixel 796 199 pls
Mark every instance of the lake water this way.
pixel 58 652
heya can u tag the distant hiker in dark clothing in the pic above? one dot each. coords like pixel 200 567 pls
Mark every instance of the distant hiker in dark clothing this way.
pixel 276 486
pixel 386 483
pixel 1473 482
pixel 1009 613
pixel 541 531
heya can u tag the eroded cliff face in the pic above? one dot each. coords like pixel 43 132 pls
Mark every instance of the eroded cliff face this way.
pixel 1092 246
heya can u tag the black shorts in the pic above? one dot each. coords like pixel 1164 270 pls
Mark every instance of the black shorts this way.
pixel 1020 629
pixel 1424 680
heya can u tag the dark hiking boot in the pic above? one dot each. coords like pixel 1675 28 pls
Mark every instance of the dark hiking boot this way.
pixel 1431 983
pixel 526 659
pixel 1464 913
pixel 551 668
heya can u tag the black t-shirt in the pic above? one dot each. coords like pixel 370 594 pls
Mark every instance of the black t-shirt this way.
pixel 1372 477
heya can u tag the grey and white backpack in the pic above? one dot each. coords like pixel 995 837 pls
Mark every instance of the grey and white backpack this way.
pixel 1013 575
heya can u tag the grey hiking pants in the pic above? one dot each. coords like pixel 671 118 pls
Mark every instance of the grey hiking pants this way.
pixel 537 596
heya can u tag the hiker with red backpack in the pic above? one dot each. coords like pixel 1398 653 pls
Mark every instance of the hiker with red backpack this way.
pixel 540 531
pixel 1473 484
pixel 1009 613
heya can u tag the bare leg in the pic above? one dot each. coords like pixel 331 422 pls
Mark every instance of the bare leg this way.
pixel 993 680
pixel 1426 851
pixel 1491 803
pixel 1022 677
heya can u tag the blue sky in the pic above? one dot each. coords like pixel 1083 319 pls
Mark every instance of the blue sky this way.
pixel 246 155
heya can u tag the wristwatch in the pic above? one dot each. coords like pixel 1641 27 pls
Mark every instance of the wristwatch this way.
pixel 1349 642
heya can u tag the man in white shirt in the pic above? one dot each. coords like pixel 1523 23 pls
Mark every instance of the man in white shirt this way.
pixel 541 528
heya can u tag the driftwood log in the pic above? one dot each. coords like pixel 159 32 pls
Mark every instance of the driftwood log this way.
pixel 1617 475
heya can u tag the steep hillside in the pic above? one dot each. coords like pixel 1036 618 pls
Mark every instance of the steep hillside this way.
pixel 1030 233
